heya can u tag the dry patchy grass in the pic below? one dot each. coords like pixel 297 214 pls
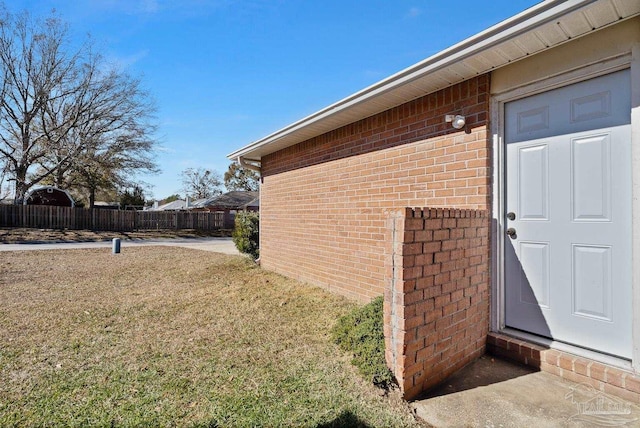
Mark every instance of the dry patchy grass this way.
pixel 173 337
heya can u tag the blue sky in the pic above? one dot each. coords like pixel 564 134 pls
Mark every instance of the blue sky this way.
pixel 224 73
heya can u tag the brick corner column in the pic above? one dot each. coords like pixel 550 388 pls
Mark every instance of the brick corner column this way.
pixel 436 307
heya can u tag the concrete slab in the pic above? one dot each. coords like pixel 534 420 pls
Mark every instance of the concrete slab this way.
pixel 218 245
pixel 496 393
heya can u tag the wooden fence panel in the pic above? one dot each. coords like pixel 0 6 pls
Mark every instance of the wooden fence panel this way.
pixel 48 217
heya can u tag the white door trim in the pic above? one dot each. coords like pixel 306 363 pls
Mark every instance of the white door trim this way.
pixel 497 103
pixel 635 214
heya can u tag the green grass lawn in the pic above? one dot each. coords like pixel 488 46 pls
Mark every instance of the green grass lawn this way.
pixel 161 336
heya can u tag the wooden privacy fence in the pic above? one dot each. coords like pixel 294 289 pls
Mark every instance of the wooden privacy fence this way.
pixel 47 217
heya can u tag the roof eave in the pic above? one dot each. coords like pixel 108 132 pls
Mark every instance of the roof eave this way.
pixel 519 24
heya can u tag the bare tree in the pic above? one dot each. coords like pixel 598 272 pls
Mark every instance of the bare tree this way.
pixel 201 183
pixel 239 178
pixel 110 144
pixel 33 68
pixel 4 187
pixel 110 166
pixel 60 111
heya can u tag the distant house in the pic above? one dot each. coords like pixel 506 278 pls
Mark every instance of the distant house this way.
pixel 177 205
pixel 253 205
pixel 49 195
pixel 229 202
pixel 103 205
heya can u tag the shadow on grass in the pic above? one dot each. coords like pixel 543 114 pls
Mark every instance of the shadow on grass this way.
pixel 346 419
pixel 212 424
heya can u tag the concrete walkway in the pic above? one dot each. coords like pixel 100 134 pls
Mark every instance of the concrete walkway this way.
pixel 218 245
pixel 496 393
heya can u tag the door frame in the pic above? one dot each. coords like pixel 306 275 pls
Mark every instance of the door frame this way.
pixel 497 103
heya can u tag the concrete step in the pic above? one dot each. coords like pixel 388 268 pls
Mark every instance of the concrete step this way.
pixel 493 393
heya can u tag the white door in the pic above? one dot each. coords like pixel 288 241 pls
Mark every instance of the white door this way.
pixel 568 214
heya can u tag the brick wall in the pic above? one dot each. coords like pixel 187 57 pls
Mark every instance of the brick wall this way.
pixel 436 305
pixel 323 201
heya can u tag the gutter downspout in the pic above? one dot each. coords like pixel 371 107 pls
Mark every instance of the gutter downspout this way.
pixel 252 165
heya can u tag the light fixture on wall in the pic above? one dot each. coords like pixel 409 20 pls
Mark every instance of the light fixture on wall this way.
pixel 457 121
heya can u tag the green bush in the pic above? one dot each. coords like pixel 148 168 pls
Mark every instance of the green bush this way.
pixel 361 332
pixel 246 234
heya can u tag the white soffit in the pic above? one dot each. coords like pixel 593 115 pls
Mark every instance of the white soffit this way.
pixel 541 27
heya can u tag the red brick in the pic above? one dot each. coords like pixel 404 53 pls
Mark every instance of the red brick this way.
pixel 464 303
pixel 443 344
pixel 581 366
pixel 424 282
pixel 433 224
pixel 614 376
pixel 432 291
pixel 565 362
pixel 442 278
pixel 501 342
pixel 425 306
pixel 423 236
pixel 414 322
pixel 431 269
pixel 448 287
pixel 442 300
pixel 459 316
pixel 550 368
pixel 457 295
pixel 551 357
pixel 449 309
pixel 412 249
pixel 414 224
pixel 449 244
pixel 432 247
pixel 597 371
pixel 632 383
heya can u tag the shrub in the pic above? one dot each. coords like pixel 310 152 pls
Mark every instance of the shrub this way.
pixel 361 332
pixel 246 233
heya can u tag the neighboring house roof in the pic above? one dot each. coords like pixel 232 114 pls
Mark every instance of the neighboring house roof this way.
pixel 200 203
pixel 230 200
pixel 172 206
pixel 254 203
pixel 539 28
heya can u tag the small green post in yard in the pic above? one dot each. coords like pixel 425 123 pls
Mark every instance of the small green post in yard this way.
pixel 116 246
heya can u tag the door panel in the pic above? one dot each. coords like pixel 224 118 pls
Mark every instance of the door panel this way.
pixel 534 258
pixel 568 260
pixel 533 186
pixel 591 178
pixel 593 104
pixel 591 285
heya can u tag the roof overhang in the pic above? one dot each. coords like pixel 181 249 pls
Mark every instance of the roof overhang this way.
pixel 539 28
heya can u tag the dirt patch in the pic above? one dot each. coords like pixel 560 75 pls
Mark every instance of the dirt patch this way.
pixel 25 235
